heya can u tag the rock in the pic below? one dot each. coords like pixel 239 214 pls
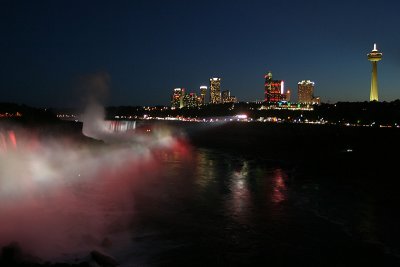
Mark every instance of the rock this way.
pixel 11 255
pixel 103 260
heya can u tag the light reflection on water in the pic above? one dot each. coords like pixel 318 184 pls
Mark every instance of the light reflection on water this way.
pixel 204 171
pixel 218 202
pixel 279 186
pixel 232 186
pixel 239 201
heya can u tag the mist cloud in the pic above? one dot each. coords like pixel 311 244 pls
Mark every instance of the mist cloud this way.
pixel 59 199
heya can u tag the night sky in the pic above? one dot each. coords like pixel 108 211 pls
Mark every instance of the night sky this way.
pixel 147 48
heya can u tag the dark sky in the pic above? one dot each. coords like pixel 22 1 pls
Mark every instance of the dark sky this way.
pixel 147 48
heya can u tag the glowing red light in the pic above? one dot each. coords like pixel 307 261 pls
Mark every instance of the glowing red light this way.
pixel 13 139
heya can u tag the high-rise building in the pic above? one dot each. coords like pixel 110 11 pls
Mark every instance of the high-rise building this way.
pixel 305 92
pixel 203 94
pixel 227 97
pixel 287 95
pixel 177 98
pixel 190 100
pixel 273 89
pixel 215 90
pixel 316 100
pixel 374 56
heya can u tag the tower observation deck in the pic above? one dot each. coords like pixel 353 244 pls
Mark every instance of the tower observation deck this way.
pixel 374 56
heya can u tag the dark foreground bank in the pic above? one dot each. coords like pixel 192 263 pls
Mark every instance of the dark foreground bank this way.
pixel 14 256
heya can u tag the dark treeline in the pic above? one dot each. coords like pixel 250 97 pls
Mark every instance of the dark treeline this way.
pixel 364 113
pixel 361 112
pixel 26 113
pixel 341 112
pixel 39 122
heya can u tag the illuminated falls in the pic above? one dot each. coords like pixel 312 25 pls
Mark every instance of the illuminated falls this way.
pixel 60 198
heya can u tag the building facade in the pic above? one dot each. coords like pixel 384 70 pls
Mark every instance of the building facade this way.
pixel 226 97
pixel 305 92
pixel 215 90
pixel 190 100
pixel 273 89
pixel 177 98
pixel 287 95
pixel 203 95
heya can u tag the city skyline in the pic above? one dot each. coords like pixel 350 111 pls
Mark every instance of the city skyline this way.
pixel 147 49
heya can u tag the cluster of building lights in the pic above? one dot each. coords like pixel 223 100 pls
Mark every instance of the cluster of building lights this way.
pixel 66 116
pixel 274 90
pixel 182 99
pixel 275 97
pixel 10 115
pixel 274 94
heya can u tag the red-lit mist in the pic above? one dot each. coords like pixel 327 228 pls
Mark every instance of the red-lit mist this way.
pixel 60 199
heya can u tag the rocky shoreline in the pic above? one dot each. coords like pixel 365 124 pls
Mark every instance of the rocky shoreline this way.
pixel 13 255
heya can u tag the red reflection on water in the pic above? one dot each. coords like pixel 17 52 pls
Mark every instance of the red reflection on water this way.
pixel 278 186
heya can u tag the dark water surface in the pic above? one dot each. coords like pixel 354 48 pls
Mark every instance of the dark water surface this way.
pixel 215 208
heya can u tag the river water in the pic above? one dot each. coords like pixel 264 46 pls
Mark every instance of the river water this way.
pixel 217 208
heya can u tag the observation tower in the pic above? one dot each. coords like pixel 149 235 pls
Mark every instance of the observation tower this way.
pixel 374 56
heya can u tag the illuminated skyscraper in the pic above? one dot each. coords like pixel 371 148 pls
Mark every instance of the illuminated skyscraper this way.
pixel 215 90
pixel 190 100
pixel 225 96
pixel 374 56
pixel 203 94
pixel 305 92
pixel 177 98
pixel 273 90
pixel 287 95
